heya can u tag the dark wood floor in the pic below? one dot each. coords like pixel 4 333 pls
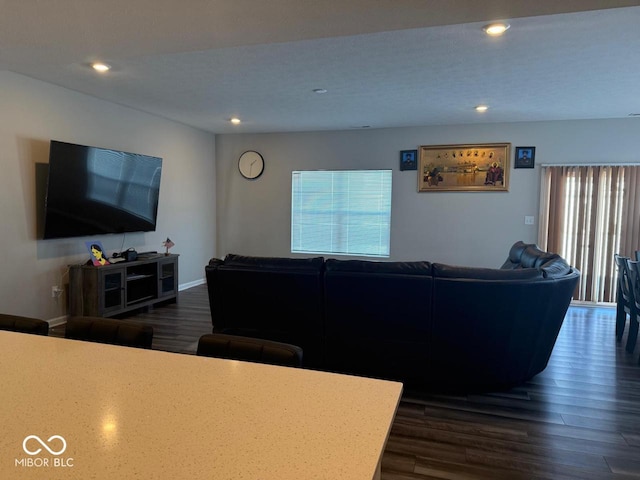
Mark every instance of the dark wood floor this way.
pixel 578 419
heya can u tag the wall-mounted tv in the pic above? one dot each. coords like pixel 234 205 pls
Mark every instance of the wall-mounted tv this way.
pixel 94 191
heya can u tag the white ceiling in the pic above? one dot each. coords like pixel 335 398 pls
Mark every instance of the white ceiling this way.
pixel 384 63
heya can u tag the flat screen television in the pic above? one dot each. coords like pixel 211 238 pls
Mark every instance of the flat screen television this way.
pixel 94 191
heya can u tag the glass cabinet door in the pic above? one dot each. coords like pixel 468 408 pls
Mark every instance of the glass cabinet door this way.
pixel 167 277
pixel 113 291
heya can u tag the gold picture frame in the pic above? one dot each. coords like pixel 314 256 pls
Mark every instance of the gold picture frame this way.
pixel 482 167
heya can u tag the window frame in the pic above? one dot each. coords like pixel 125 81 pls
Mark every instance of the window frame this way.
pixel 337 194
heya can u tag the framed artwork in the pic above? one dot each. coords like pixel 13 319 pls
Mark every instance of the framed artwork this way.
pixel 408 159
pixel 525 157
pixel 480 167
pixel 96 251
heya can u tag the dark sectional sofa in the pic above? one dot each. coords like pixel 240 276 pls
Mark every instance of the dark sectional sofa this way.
pixel 430 325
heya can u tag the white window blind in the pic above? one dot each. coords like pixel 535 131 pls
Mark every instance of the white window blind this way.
pixel 341 212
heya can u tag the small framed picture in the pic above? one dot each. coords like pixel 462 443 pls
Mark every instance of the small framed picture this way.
pixel 408 159
pixel 525 157
pixel 98 257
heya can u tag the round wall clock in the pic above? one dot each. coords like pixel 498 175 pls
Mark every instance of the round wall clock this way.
pixel 251 164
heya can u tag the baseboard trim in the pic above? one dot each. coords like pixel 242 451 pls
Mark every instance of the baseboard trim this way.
pixel 195 283
pixel 54 322
pixel 583 303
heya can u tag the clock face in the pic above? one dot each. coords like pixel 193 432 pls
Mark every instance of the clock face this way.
pixel 251 164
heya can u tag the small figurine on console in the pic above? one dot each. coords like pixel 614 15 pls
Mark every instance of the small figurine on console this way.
pixel 167 244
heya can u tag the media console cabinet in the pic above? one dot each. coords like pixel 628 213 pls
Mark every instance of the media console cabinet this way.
pixel 117 288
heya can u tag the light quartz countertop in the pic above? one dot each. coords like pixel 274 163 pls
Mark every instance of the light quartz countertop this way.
pixel 127 413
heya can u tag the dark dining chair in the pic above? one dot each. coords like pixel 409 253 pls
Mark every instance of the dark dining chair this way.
pixel 625 302
pixel 107 330
pixel 236 347
pixel 633 267
pixel 18 323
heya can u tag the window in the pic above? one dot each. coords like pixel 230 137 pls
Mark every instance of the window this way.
pixel 589 213
pixel 341 212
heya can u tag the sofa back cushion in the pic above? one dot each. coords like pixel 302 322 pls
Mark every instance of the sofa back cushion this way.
pixel 529 255
pixel 366 266
pixel 453 271
pixel 555 267
pixel 312 264
pixel 271 298
pixel 515 254
pixel 377 315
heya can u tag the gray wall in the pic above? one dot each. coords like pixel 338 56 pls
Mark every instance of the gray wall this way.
pixel 208 209
pixel 466 228
pixel 31 114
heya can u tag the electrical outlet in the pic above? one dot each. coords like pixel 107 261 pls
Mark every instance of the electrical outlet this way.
pixel 528 220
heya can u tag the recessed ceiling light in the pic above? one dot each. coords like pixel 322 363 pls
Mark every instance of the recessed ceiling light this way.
pixel 101 67
pixel 482 108
pixel 319 90
pixel 235 121
pixel 496 29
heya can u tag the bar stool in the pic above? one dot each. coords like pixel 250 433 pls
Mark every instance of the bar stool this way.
pixel 17 323
pixel 107 330
pixel 250 349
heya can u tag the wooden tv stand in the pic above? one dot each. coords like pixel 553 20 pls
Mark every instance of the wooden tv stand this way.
pixel 121 287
